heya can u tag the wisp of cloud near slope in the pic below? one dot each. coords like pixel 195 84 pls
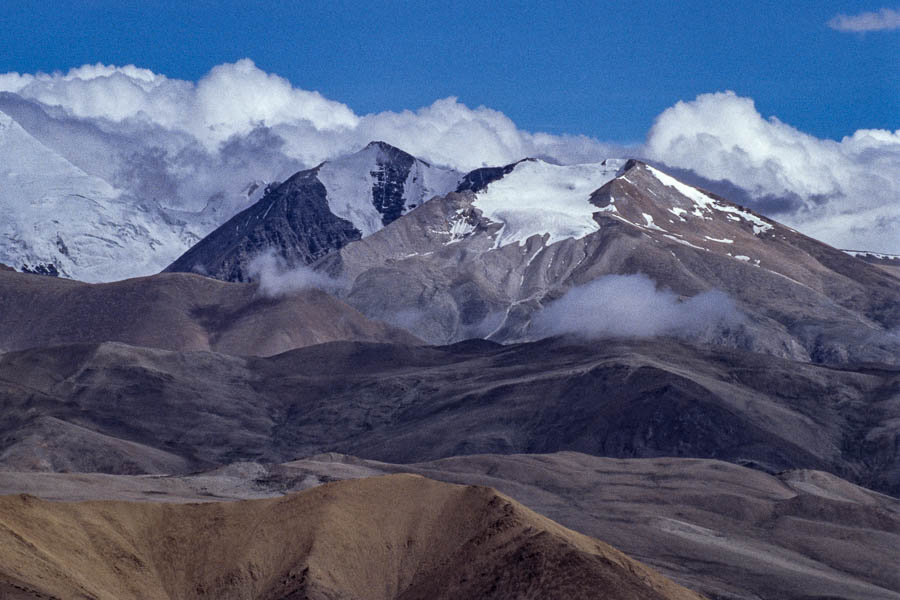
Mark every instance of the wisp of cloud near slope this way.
pixel 276 278
pixel 631 306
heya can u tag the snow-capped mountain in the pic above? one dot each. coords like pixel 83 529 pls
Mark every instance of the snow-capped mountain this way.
pixel 484 263
pixel 58 219
pixel 320 210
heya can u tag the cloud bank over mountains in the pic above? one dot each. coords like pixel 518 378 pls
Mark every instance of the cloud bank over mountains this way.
pixel 181 143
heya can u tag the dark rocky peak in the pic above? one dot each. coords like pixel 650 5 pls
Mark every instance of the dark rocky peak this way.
pixel 479 179
pixel 293 220
pixel 298 179
pixel 631 163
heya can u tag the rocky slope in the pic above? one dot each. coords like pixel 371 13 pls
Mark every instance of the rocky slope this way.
pixel 176 311
pixel 724 530
pixel 400 537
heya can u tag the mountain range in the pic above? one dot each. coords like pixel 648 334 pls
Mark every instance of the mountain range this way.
pixel 483 260
pixel 548 330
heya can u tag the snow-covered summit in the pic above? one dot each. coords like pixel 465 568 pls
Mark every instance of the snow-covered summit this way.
pixel 58 218
pixel 376 185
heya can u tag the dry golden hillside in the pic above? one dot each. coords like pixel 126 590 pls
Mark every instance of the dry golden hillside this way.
pixel 399 536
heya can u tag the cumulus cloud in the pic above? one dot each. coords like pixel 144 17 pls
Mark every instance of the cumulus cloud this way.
pixel 189 145
pixel 885 19
pixel 183 143
pixel 631 306
pixel 844 192
pixel 235 99
pixel 276 278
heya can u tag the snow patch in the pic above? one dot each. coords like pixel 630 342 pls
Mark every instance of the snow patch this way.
pixel 460 227
pixel 424 182
pixel 678 212
pixel 348 185
pixel 650 224
pixel 878 255
pixel 684 242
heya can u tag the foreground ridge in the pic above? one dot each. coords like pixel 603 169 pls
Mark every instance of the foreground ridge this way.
pixel 395 537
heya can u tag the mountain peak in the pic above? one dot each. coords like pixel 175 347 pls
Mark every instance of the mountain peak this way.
pixel 663 207
pixel 386 153
pixel 378 184
pixel 381 145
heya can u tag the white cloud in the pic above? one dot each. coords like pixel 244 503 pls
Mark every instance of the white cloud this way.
pixel 275 278
pixel 234 99
pixel 631 306
pixel 885 19
pixel 231 99
pixel 849 191
pixel 183 143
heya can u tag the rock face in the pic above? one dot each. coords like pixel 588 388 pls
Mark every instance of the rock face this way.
pixel 484 264
pixel 400 537
pixel 406 403
pixel 292 219
pixel 318 211
pixel 176 311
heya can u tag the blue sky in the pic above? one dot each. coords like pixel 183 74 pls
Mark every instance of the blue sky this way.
pixel 605 69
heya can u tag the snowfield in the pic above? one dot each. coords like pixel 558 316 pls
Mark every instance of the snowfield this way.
pixel 538 198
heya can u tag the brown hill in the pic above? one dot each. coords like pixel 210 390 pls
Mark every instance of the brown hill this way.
pixel 401 536
pixel 723 530
pixel 176 311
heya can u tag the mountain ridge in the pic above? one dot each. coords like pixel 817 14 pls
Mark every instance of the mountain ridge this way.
pixel 398 537
pixel 451 271
pixel 403 403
